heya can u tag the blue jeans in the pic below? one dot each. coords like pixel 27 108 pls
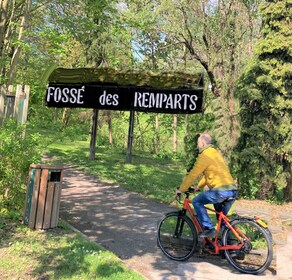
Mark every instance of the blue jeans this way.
pixel 212 197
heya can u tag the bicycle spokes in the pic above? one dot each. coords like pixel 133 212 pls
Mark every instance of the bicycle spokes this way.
pixel 255 254
pixel 177 237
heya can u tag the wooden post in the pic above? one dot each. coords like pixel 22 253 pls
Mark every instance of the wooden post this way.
pixel 42 198
pixel 20 100
pixel 25 105
pixel 130 137
pixel 32 207
pixel 93 135
pixel 14 105
pixel 16 102
pixel 56 204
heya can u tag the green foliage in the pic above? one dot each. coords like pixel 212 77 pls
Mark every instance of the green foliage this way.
pixel 191 150
pixel 213 38
pixel 17 152
pixel 151 139
pixel 265 145
pixel 147 138
pixel 197 125
pixel 172 80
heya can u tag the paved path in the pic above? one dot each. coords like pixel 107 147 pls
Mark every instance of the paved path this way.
pixel 125 223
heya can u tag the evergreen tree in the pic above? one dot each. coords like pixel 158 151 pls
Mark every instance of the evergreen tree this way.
pixel 265 146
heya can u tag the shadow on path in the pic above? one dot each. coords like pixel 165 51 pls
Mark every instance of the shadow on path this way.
pixel 126 223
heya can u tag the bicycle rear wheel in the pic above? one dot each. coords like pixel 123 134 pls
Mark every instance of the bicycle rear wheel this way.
pixel 256 254
pixel 177 237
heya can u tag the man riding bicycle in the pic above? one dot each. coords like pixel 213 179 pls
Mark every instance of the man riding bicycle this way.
pixel 216 176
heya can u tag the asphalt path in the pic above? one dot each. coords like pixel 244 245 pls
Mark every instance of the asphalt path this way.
pixel 125 223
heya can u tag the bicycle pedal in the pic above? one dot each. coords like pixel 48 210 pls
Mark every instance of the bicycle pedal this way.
pixel 222 255
pixel 208 251
pixel 239 256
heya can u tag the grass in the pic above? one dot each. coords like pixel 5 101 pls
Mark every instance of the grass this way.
pixel 155 178
pixel 58 253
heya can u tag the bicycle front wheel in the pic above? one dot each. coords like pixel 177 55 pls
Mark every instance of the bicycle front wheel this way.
pixel 177 237
pixel 257 252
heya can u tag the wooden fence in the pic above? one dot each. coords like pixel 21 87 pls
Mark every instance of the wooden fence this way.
pixel 14 102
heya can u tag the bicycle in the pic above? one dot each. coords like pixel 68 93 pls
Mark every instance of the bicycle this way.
pixel 246 242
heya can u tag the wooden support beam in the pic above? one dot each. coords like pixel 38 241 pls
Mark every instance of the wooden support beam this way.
pixel 130 137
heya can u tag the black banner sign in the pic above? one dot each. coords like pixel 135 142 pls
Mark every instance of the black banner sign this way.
pixel 125 98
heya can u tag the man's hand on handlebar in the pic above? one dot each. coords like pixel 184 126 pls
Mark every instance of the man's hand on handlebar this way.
pixel 196 189
pixel 190 190
pixel 177 192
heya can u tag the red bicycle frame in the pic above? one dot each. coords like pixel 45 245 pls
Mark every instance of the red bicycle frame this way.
pixel 238 234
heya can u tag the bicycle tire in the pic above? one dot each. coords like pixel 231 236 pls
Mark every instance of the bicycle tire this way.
pixel 269 234
pixel 255 256
pixel 177 237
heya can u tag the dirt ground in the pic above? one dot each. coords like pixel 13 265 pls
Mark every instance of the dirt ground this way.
pixel 255 204
pixel 278 216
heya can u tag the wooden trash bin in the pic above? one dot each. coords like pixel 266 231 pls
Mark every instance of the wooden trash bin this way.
pixel 43 196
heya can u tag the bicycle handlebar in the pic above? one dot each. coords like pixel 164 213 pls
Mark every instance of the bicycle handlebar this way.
pixel 190 190
pixel 187 194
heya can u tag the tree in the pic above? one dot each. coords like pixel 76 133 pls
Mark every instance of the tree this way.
pixel 265 94
pixel 14 17
pixel 212 35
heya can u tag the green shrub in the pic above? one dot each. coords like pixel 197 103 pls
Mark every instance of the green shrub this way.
pixel 17 152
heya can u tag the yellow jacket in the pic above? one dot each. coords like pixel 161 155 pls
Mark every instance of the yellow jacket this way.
pixel 215 172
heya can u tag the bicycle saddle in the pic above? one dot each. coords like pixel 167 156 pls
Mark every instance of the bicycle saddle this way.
pixel 228 199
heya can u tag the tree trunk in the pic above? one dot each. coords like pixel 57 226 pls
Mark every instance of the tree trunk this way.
pixel 175 133
pixel 5 18
pixel 187 125
pixel 56 111
pixel 140 137
pixel 157 136
pixel 233 133
pixel 3 21
pixel 66 117
pixel 288 189
pixel 17 51
pixel 110 128
pixel 93 135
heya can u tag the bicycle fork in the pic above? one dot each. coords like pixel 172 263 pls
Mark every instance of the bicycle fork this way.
pixel 179 224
